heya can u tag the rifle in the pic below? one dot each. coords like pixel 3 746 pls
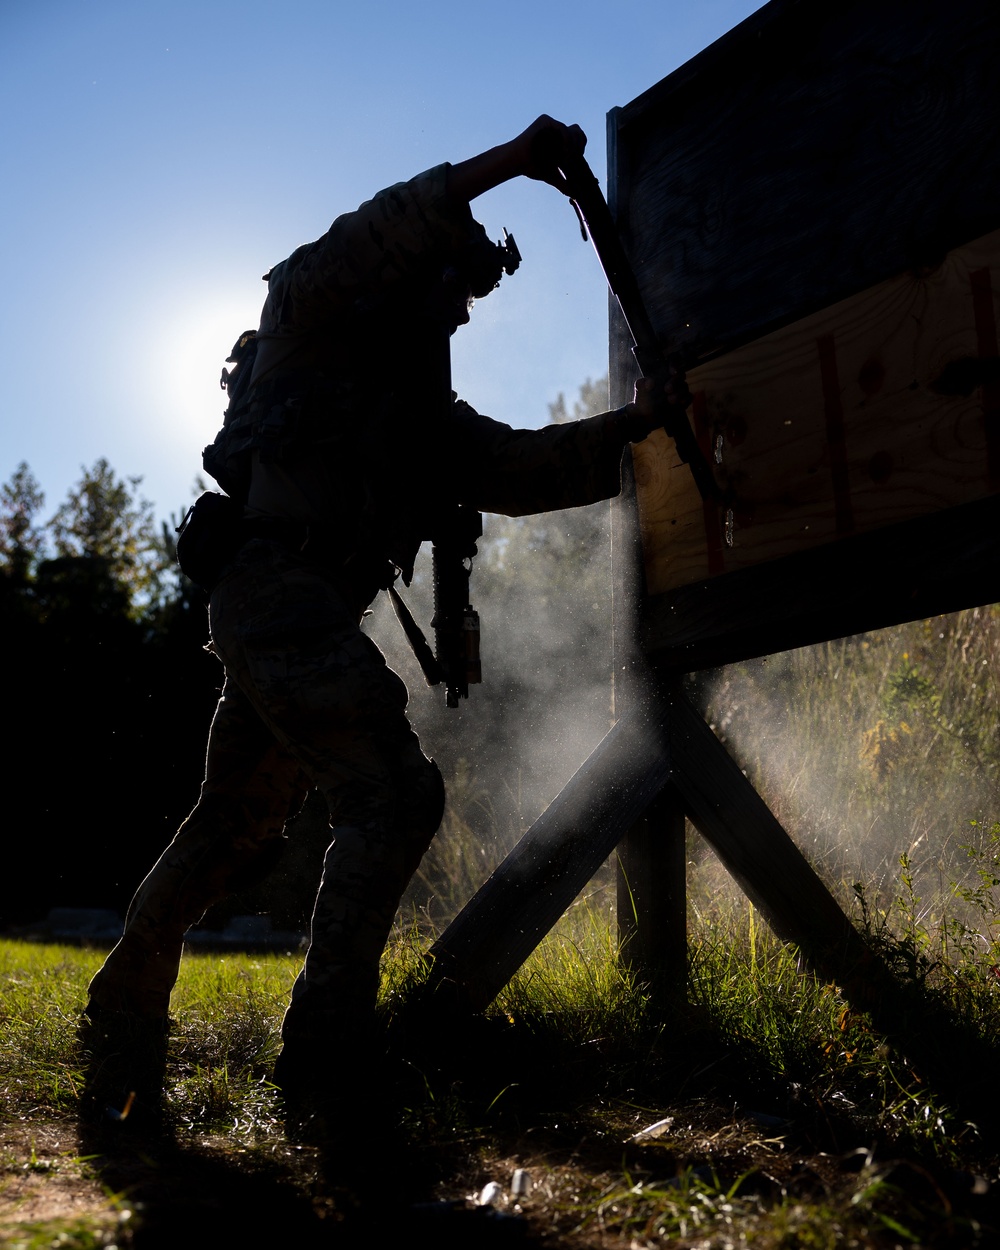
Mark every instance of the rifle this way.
pixel 454 661
pixel 455 658
pixel 595 216
pixel 456 622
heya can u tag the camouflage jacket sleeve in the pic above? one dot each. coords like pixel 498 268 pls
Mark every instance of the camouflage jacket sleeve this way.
pixel 379 244
pixel 517 472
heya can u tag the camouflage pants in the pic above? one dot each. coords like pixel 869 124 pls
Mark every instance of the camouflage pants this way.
pixel 308 701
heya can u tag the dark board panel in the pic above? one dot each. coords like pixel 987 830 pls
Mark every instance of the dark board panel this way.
pixel 814 151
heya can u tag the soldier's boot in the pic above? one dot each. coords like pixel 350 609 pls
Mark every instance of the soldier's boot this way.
pixel 124 1059
pixel 326 1090
pixel 335 1098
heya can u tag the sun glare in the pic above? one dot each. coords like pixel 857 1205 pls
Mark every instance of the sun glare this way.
pixel 195 347
pixel 178 379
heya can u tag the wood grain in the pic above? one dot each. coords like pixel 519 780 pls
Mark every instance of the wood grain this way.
pixel 908 571
pixel 878 362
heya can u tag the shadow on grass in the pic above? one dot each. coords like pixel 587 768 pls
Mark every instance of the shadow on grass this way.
pixel 474 1077
pixel 369 1189
pixel 460 1094
pixel 196 1195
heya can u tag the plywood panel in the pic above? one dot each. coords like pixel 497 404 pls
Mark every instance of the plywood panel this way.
pixel 875 410
pixel 819 148
pixel 936 563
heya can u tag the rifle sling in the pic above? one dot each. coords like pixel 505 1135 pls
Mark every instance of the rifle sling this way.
pixel 432 670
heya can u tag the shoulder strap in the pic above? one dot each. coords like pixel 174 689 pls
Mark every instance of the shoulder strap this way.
pixel 432 670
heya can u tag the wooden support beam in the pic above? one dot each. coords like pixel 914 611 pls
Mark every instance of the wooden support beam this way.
pixel 664 756
pixel 652 897
pixel 766 863
pixel 666 741
pixel 776 877
pixel 509 915
pixel 903 572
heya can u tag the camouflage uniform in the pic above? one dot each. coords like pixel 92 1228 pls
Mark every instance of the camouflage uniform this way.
pixel 308 701
pixel 364 454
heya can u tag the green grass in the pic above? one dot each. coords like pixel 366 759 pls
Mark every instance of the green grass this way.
pixel 765 1065
pixel 692 1207
pixel 227 1011
pixel 42 990
pixel 791 1121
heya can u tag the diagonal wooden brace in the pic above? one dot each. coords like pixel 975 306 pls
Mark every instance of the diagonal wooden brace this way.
pixel 509 915
pixel 765 862
pixel 664 749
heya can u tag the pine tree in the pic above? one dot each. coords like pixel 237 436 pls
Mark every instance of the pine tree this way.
pixel 21 540
pixel 108 524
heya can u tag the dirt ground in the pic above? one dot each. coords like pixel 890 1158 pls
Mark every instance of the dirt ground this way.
pixel 148 1194
pixel 206 1191
pixel 43 1177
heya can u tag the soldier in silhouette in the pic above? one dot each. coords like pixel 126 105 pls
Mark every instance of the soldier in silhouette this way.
pixel 343 449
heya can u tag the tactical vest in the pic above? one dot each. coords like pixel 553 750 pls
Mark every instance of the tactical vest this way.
pixel 293 408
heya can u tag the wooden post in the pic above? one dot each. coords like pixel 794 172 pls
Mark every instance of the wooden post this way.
pixel 652 897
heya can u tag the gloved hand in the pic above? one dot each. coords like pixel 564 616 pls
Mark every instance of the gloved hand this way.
pixel 543 146
pixel 657 401
pixel 534 153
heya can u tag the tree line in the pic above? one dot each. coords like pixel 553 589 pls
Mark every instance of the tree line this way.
pixel 107 694
pixel 111 690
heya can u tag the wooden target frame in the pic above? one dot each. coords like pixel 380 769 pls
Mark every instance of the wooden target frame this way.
pixel 811 207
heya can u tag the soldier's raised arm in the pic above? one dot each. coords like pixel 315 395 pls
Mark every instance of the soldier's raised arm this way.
pixel 534 153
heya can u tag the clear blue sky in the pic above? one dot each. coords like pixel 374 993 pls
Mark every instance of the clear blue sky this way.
pixel 157 159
